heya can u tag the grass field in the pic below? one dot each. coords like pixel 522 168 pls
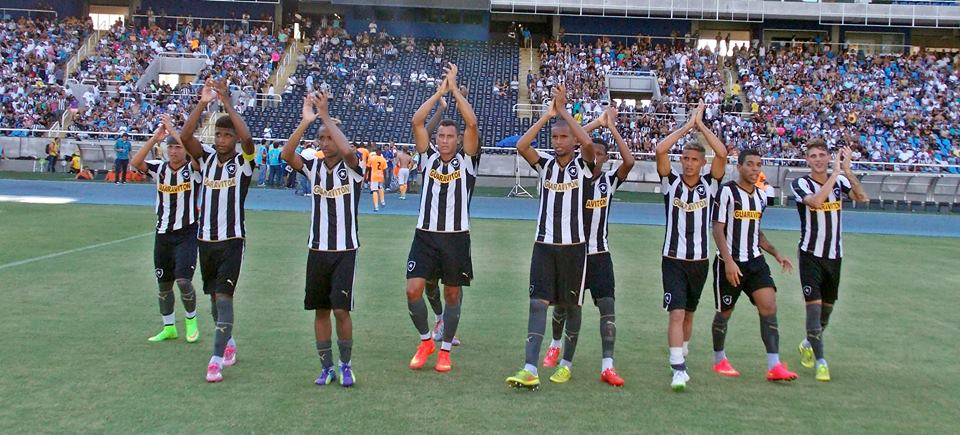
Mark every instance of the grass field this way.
pixel 75 356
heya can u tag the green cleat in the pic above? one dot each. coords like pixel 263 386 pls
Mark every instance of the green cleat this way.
pixel 562 375
pixel 169 332
pixel 193 334
pixel 806 356
pixel 524 379
pixel 823 373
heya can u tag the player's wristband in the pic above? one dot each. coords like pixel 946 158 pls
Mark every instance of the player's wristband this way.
pixel 248 157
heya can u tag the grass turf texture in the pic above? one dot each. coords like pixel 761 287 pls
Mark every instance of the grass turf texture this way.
pixel 76 356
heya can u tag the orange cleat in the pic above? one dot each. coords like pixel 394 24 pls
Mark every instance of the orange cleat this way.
pixel 723 368
pixel 424 350
pixel 552 356
pixel 443 361
pixel 779 372
pixel 611 377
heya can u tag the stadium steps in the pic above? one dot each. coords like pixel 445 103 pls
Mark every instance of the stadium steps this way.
pixel 529 61
pixel 88 47
pixel 288 62
pixel 729 79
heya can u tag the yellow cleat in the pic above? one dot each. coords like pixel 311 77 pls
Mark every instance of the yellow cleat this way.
pixel 562 375
pixel 823 373
pixel 524 379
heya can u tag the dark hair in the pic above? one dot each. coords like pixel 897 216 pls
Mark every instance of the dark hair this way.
pixel 817 143
pixel 694 146
pixel 559 123
pixel 602 143
pixel 224 122
pixel 747 153
pixel 449 123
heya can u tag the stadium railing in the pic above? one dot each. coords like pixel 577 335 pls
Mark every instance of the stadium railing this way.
pixel 201 20
pixel 31 13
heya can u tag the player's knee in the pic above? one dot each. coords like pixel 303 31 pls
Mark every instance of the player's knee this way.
pixel 451 295
pixel 414 289
pixel 341 315
pixel 322 313
pixel 677 316
pixel 767 308
pixel 537 305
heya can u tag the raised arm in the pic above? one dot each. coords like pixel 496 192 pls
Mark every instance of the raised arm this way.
pixel 421 137
pixel 138 160
pixel 663 148
pixel 471 135
pixel 586 144
pixel 718 167
pixel 523 144
pixel 289 151
pixel 625 154
pixel 816 200
pixel 856 189
pixel 437 116
pixel 190 142
pixel 239 126
pixel 322 104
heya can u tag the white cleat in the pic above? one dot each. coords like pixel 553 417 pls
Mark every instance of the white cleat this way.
pixel 680 378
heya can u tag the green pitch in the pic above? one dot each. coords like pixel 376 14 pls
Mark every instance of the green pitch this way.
pixel 74 355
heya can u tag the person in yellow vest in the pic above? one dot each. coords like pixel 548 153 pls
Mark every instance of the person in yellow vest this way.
pixel 53 153
pixel 378 166
pixel 75 162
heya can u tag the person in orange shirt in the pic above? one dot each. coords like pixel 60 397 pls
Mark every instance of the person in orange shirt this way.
pixel 763 185
pixel 378 166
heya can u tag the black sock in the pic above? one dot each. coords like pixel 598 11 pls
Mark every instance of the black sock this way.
pixel 188 295
pixel 770 333
pixel 213 311
pixel 433 295
pixel 224 308
pixel 166 299
pixel 418 313
pixel 451 318
pixel 326 354
pixel 559 318
pixel 574 316
pixel 825 315
pixel 814 329
pixel 536 325
pixel 608 326
pixel 719 332
pixel 346 350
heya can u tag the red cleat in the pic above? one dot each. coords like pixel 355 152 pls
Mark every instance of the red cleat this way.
pixel 723 368
pixel 779 372
pixel 443 361
pixel 553 354
pixel 611 377
pixel 424 350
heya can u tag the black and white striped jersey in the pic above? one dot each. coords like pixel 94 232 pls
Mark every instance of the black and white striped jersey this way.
pixel 336 198
pixel 563 196
pixel 820 228
pixel 178 192
pixel 688 213
pixel 740 212
pixel 598 210
pixel 225 186
pixel 447 190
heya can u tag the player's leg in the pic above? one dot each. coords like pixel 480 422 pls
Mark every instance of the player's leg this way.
pixel 600 280
pixel 230 258
pixel 542 292
pixel 186 257
pixel 766 302
pixel 456 268
pixel 422 263
pixel 341 297
pixel 675 289
pixel 316 298
pixel 451 320
pixel 164 263
pixel 402 181
pixel 571 265
pixel 726 296
pixel 323 331
pixel 432 290
pixel 375 191
pixel 553 351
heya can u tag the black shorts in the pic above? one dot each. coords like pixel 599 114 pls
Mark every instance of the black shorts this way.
pixel 819 277
pixel 557 273
pixel 756 275
pixel 330 280
pixel 445 256
pixel 683 282
pixel 175 254
pixel 600 278
pixel 220 264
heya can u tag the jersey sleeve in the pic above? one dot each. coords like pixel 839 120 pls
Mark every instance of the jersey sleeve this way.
pixel 207 151
pixel 306 165
pixel 720 207
pixel 542 162
pixel 245 162
pixel 153 167
pixel 845 185
pixel 472 162
pixel 801 189
pixel 431 150
pixel 357 173
pixel 613 180
pixel 665 182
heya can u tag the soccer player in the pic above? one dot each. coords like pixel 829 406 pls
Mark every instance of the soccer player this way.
pixel 559 255
pixel 226 180
pixel 441 244
pixel 404 162
pixel 819 202
pixel 378 166
pixel 741 268
pixel 688 198
pixel 175 244
pixel 335 181
pixel 599 274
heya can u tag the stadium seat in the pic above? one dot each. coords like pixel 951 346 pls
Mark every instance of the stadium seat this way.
pixel 943 207
pixel 889 204
pixel 902 205
pixel 930 207
pixel 916 206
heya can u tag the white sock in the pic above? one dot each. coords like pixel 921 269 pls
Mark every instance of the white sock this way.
pixel 426 336
pixel 555 343
pixel 606 363
pixel 531 368
pixel 719 356
pixel 821 362
pixel 169 319
pixel 439 317
pixel 806 343
pixel 686 348
pixel 446 345
pixel 676 355
pixel 772 360
pixel 230 342
pixel 218 360
pixel 192 314
pixel 566 363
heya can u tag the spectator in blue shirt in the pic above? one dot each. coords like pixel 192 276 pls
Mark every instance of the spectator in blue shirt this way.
pixel 276 172
pixel 260 158
pixel 122 148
